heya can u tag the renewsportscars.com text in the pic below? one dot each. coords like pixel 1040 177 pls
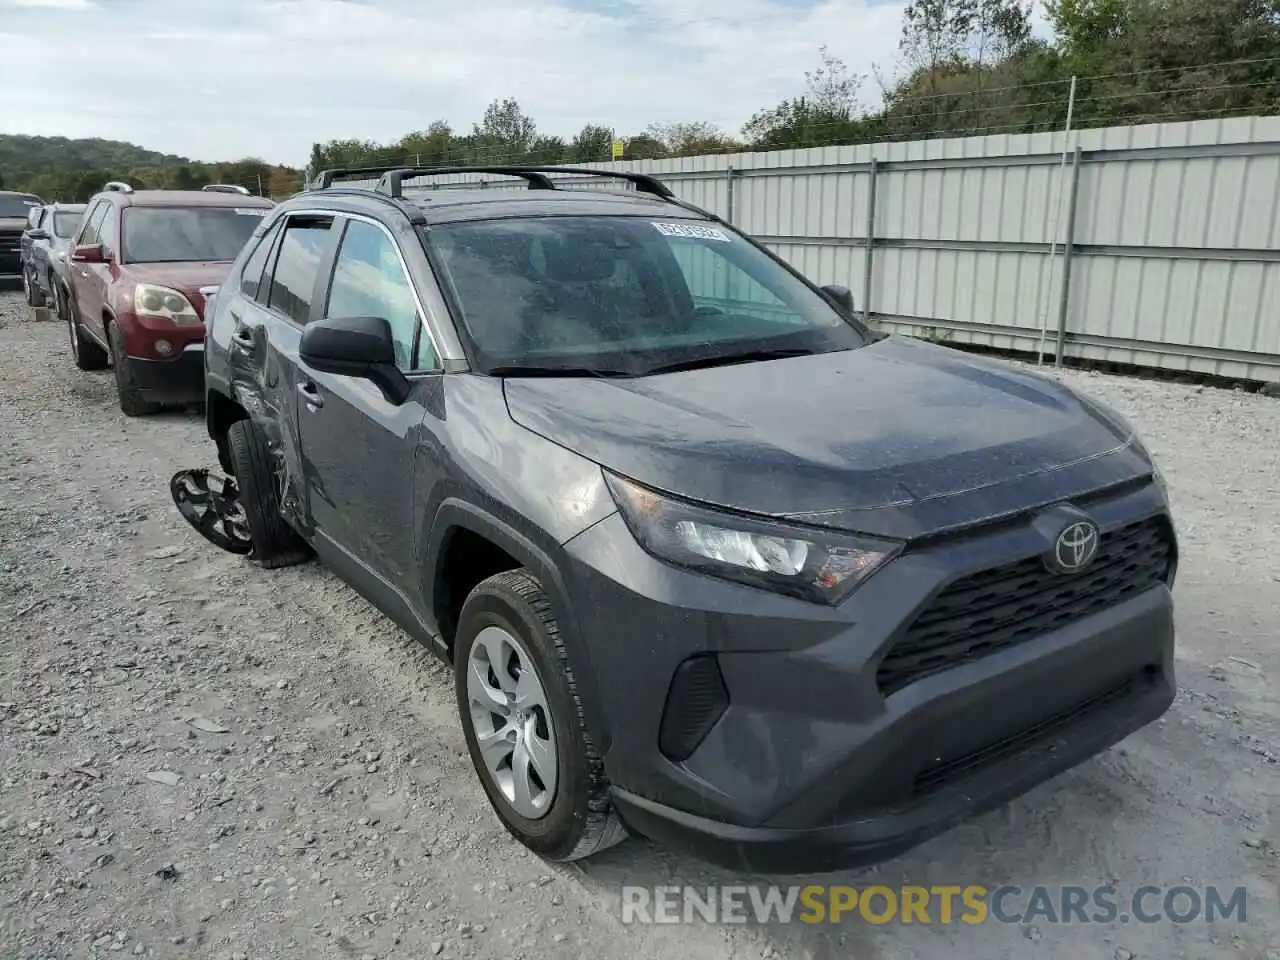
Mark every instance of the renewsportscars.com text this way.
pixel 969 904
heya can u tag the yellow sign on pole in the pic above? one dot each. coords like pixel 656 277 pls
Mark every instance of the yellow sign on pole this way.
pixel 618 148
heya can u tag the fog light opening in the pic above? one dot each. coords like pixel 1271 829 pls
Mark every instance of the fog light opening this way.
pixel 164 347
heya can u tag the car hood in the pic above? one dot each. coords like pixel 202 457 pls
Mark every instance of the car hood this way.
pixel 899 438
pixel 187 278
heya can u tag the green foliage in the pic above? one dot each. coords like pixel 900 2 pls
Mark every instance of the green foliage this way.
pixel 55 168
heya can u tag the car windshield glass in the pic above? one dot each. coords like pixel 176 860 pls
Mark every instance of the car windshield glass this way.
pixel 64 224
pixel 611 293
pixel 175 234
pixel 17 206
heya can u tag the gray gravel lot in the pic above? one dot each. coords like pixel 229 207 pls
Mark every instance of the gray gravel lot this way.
pixel 202 759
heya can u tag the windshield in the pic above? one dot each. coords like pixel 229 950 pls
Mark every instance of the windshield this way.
pixel 612 295
pixel 17 204
pixel 64 224
pixel 178 234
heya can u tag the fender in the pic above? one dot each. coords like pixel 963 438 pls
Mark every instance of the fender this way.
pixel 454 513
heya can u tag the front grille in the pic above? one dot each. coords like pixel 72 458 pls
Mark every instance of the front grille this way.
pixel 997 608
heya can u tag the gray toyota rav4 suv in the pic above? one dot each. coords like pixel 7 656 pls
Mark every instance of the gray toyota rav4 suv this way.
pixel 713 562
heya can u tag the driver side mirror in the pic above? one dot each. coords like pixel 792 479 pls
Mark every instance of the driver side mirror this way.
pixel 355 347
pixel 38 234
pixel 88 253
pixel 841 295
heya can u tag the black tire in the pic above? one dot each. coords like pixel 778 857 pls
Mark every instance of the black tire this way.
pixel 31 289
pixel 131 401
pixel 581 820
pixel 88 355
pixel 275 543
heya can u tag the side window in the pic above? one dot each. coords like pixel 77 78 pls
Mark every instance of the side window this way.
pixel 92 221
pixel 303 250
pixel 717 284
pixel 369 281
pixel 109 231
pixel 251 275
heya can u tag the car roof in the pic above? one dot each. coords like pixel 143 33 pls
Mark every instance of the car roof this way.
pixel 183 198
pixel 58 207
pixel 452 204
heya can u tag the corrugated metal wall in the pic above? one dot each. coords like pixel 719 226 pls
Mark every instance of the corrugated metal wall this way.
pixel 1173 261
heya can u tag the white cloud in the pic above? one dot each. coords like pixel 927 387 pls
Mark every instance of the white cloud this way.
pixel 221 79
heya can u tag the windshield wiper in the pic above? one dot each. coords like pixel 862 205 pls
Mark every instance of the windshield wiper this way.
pixel 725 359
pixel 517 370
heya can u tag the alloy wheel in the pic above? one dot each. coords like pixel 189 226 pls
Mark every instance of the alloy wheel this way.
pixel 512 722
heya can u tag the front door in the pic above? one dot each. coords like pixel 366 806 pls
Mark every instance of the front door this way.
pixel 361 449
pixel 86 281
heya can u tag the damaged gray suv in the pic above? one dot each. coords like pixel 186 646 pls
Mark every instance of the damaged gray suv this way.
pixel 713 562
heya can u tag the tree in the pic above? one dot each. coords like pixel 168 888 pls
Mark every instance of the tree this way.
pixel 691 139
pixel 826 114
pixel 505 133
pixel 592 143
pixel 643 147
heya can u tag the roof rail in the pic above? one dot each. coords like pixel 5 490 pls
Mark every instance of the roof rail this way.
pixel 324 179
pixel 118 186
pixel 226 188
pixel 392 180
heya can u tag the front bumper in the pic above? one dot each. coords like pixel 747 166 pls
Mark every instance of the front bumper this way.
pixel 809 765
pixel 173 382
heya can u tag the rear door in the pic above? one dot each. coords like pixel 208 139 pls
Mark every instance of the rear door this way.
pixel 360 449
pixel 281 287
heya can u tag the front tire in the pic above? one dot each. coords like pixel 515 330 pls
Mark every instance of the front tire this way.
pixel 524 724
pixel 275 543
pixel 88 355
pixel 131 401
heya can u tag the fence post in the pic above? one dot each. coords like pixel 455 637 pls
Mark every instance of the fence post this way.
pixel 728 213
pixel 869 242
pixel 1068 249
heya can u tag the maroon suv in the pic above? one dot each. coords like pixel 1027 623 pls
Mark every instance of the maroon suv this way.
pixel 141 269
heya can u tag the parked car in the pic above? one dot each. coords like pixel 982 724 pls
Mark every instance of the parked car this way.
pixel 15 214
pixel 141 266
pixel 46 245
pixel 712 561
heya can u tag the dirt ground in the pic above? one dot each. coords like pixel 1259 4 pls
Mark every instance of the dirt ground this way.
pixel 202 759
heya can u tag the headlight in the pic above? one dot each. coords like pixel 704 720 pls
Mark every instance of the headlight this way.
pixel 152 301
pixel 798 561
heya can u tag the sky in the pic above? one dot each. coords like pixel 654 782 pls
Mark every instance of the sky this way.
pixel 226 79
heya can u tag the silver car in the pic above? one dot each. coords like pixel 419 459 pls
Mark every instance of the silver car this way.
pixel 46 250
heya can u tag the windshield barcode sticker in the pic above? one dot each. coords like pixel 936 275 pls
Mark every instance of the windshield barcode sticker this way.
pixel 251 211
pixel 694 231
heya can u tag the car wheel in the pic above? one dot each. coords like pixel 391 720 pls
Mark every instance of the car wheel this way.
pixel 524 725
pixel 88 355
pixel 275 543
pixel 131 402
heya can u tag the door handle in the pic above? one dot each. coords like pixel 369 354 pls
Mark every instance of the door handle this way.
pixel 310 394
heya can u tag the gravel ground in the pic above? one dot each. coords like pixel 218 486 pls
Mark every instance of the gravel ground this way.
pixel 201 759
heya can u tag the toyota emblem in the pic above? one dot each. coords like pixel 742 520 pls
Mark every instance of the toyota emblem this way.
pixel 1076 546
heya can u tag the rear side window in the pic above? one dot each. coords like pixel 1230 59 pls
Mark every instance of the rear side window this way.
pixel 251 275
pixel 304 251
